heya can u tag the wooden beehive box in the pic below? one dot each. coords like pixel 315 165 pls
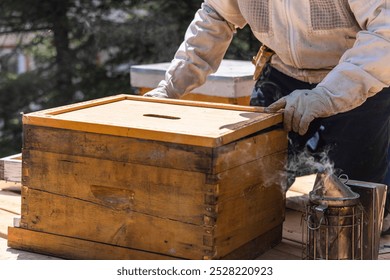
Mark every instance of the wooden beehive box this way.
pixel 232 83
pixel 10 168
pixel 129 177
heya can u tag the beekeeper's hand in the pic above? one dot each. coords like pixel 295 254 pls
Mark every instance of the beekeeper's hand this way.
pixel 158 92
pixel 303 106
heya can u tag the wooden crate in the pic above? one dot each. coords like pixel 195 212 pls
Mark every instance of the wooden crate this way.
pixel 129 177
pixel 11 168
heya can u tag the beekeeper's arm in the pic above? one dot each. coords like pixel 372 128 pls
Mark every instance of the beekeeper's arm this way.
pixel 363 71
pixel 206 41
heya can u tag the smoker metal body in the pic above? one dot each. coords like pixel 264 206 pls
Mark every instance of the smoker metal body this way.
pixel 333 221
pixel 334 233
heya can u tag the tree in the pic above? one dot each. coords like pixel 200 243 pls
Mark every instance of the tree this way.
pixel 83 50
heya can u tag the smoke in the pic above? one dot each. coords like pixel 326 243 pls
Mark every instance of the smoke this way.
pixel 306 162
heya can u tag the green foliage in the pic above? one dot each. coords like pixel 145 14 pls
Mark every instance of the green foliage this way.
pixel 17 95
pixel 83 50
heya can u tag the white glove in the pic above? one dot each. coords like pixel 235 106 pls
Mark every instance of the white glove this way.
pixel 301 107
pixel 158 92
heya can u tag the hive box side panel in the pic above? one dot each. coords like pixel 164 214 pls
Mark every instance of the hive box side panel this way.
pixel 73 248
pixel 116 148
pixel 257 205
pixel 59 215
pixel 162 154
pixel 267 171
pixel 246 218
pixel 162 192
pixel 11 168
pixel 249 149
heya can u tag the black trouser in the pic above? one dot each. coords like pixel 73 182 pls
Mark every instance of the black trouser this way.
pixel 356 142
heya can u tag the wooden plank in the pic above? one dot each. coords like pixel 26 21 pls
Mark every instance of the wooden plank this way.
pixel 239 181
pixel 11 168
pixel 10 202
pixel 385 256
pixel 247 205
pixel 115 148
pixel 247 217
pixel 164 120
pixel 156 153
pixel 286 250
pixel 9 208
pixel 258 246
pixel 291 247
pixel 73 248
pixel 293 226
pixel 120 97
pixel 201 104
pixel 304 184
pixel 13 187
pixel 167 193
pixel 296 201
pixel 297 197
pixel 76 106
pixel 45 212
pixel 244 100
pixel 7 253
pixel 384 247
pixel 249 149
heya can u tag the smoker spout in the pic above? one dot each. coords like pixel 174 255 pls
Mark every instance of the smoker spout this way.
pixel 329 190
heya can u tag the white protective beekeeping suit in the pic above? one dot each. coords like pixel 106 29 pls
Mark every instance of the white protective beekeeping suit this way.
pixel 342 45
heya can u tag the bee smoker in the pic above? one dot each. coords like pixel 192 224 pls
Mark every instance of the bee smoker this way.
pixel 333 221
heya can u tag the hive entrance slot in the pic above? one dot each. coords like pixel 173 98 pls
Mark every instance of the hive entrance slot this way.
pixel 161 116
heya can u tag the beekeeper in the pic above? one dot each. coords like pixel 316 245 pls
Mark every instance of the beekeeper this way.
pixel 330 72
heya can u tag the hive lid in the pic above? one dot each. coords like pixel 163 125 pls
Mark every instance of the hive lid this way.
pixel 175 121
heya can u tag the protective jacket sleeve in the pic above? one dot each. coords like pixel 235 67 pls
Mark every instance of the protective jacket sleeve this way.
pixel 363 70
pixel 206 41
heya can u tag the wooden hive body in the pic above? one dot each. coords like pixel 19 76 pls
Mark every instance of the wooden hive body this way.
pixel 97 189
pixel 232 83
